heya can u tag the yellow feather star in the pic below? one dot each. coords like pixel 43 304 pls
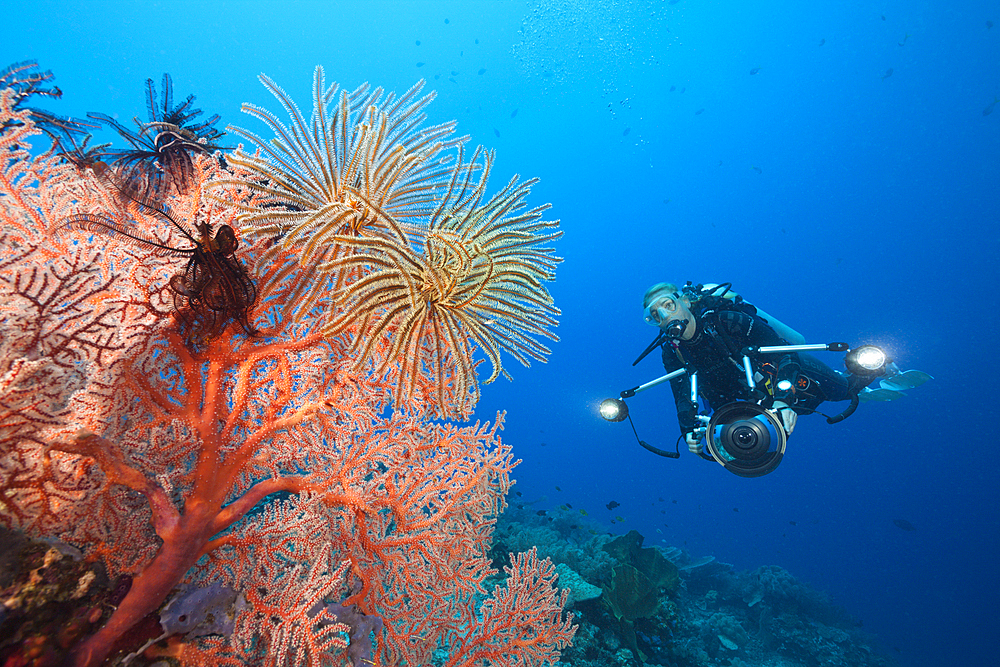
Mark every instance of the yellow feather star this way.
pixel 395 232
pixel 478 280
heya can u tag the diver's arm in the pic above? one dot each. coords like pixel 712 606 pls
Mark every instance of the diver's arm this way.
pixel 681 387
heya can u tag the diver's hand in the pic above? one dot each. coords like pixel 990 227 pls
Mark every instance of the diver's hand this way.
pixel 786 416
pixel 694 442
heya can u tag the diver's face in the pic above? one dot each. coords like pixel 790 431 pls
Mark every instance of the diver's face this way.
pixel 665 309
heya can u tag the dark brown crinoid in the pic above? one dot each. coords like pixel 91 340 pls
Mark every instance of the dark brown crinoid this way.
pixel 27 82
pixel 163 149
pixel 214 288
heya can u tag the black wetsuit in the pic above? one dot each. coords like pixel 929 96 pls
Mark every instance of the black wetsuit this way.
pixel 715 353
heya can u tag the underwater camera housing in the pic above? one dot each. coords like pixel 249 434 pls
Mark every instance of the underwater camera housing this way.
pixel 746 439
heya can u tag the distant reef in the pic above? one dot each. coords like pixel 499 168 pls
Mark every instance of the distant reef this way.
pixel 662 606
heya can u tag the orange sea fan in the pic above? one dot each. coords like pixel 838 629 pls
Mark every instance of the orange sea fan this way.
pixel 478 281
pixel 361 167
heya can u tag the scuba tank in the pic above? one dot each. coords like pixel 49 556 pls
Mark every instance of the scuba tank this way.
pixel 723 291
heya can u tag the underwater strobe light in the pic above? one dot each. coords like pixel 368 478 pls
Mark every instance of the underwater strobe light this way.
pixel 866 360
pixel 614 409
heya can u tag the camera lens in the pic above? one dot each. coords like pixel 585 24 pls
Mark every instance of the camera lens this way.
pixel 745 439
pixel 744 436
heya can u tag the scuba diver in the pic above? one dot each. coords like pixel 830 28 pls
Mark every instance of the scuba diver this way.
pixel 704 330
pixel 752 371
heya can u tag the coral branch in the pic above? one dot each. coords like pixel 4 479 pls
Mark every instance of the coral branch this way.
pixel 286 449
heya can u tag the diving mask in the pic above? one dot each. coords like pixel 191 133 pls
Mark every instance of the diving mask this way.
pixel 660 309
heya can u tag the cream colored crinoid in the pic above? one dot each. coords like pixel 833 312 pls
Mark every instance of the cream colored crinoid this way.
pixel 478 281
pixel 360 168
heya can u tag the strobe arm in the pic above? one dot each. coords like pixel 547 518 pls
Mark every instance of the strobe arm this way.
pixel 817 347
pixel 629 393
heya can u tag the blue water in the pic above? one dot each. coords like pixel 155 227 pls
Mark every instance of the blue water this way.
pixel 852 205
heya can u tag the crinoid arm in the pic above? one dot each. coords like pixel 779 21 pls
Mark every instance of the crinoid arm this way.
pixel 102 224
pixel 26 82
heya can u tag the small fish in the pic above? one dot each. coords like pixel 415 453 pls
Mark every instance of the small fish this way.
pixel 660 498
pixel 540 512
pixel 674 502
pixel 883 17
pixel 574 527
pixel 437 76
pixel 683 89
pixel 420 64
pixel 757 169
pixel 583 512
pixel 989 24
pixel 699 112
pixel 626 131
pixel 666 201
pixel 518 494
pixel 568 506
pixel 673 88
pixel 541 444
pixel 754 71
pixel 592 531
pixel 613 504
pixel 720 163
pixel 659 531
pixel 558 489
pixel 906 37
pixel 513 113
pixel 477 40
pixel 904 524
pixel 736 509
pixel 663 511
pixel 452 79
pixel 418 42
pixel 822 42
pixel 447 21
pixel 621 520
pixel 989 108
pixel 482 71
pixel 673 2
pixel 563 507
pixel 887 74
pixel 792 523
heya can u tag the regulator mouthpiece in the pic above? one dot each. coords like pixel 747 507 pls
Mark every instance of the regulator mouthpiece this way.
pixel 675 329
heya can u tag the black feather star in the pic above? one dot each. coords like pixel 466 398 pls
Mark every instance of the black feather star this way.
pixel 162 149
pixel 27 82
pixel 214 288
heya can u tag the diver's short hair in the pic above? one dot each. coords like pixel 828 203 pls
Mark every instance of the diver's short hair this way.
pixel 658 288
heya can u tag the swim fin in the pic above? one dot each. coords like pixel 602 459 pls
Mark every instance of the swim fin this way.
pixel 892 387
pixel 867 394
pixel 905 380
